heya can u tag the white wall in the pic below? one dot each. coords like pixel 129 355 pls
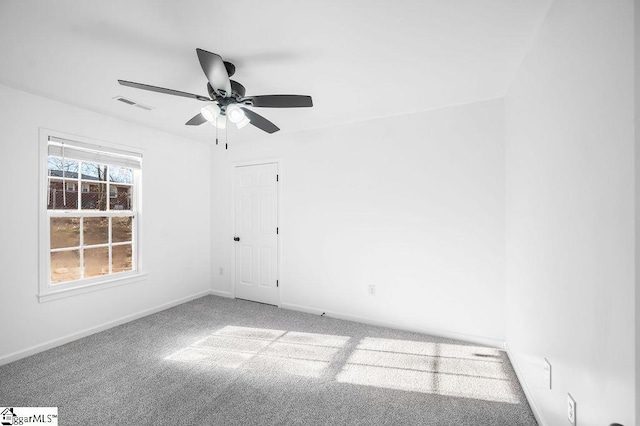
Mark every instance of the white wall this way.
pixel 570 213
pixel 412 204
pixel 176 242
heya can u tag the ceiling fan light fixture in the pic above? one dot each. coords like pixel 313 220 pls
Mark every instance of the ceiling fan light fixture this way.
pixel 243 122
pixel 210 112
pixel 235 113
pixel 220 122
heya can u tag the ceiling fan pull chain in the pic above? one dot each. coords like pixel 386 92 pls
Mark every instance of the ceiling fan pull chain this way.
pixel 226 136
pixel 216 135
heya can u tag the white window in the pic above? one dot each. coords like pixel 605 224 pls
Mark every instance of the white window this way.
pixel 89 238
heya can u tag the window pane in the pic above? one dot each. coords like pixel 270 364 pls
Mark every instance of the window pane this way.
pixel 65 266
pixel 96 262
pixel 94 196
pixel 63 195
pixel 96 230
pixel 94 171
pixel 121 228
pixel 56 165
pixel 121 259
pixel 120 175
pixel 120 197
pixel 65 232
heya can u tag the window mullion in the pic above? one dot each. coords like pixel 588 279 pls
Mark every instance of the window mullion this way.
pixel 78 184
pixel 58 250
pixel 135 203
pixel 79 196
pixel 81 247
pixel 110 245
pixel 122 243
pixel 92 246
pixel 107 196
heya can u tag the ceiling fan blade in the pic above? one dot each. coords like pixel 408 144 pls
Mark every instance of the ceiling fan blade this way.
pixel 216 72
pixel 231 69
pixel 280 101
pixel 162 90
pixel 260 122
pixel 196 121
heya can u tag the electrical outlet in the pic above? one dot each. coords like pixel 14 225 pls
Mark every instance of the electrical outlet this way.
pixel 547 373
pixel 221 271
pixel 372 290
pixel 571 409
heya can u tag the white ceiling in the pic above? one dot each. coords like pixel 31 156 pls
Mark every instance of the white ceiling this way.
pixel 359 59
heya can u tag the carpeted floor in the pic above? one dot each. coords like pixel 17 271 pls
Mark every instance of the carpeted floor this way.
pixel 216 361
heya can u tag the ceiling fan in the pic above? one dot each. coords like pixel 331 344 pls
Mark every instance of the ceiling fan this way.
pixel 227 98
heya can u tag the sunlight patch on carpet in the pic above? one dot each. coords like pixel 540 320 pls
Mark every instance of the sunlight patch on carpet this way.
pixel 436 368
pixel 264 351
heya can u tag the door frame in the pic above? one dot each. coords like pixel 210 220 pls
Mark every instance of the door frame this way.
pixel 278 163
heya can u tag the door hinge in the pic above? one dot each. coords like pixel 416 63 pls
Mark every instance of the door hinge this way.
pixel 277 178
pixel 277 231
pixel 277 284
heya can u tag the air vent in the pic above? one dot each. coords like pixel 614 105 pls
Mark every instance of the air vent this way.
pixel 126 101
pixel 144 107
pixel 133 103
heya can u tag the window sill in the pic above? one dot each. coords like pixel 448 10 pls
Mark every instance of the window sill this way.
pixel 88 288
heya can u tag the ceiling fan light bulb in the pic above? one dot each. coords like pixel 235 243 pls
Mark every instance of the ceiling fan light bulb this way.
pixel 243 122
pixel 210 112
pixel 235 113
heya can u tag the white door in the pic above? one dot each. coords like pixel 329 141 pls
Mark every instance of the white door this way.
pixel 256 239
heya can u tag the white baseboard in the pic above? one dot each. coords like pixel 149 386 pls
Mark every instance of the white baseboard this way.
pixel 480 340
pixel 6 359
pixel 525 387
pixel 221 293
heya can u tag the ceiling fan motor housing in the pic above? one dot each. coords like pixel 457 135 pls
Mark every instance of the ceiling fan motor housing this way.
pixel 237 92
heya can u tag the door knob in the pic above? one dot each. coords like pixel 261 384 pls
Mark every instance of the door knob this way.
pixel 236 238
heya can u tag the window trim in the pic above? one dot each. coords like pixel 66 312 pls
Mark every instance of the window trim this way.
pixel 46 291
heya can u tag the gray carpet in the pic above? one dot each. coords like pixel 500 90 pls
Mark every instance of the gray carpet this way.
pixel 216 361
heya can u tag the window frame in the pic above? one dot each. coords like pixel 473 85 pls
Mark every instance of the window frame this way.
pixel 48 291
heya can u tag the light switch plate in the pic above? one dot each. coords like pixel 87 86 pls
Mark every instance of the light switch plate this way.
pixel 571 409
pixel 547 373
